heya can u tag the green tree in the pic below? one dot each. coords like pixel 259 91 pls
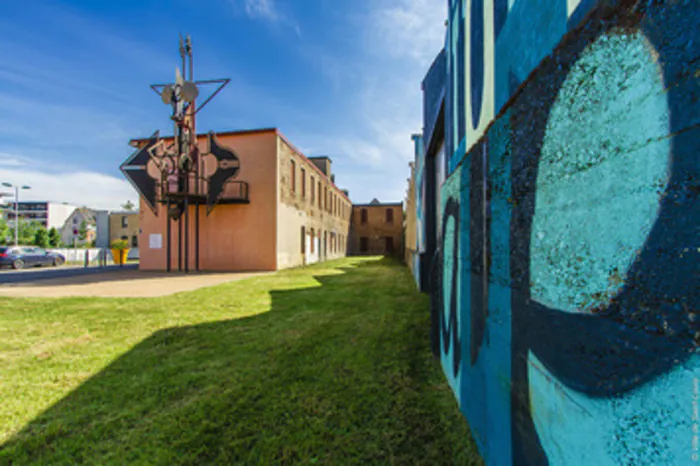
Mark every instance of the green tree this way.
pixel 5 232
pixel 54 238
pixel 128 205
pixel 41 238
pixel 27 232
pixel 82 231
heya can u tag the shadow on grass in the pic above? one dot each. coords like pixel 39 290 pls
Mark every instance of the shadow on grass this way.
pixel 336 373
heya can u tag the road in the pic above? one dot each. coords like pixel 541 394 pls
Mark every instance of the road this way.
pixel 36 274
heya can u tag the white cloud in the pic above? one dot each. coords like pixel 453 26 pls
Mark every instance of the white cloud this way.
pixel 409 28
pixel 9 160
pixel 265 10
pixel 80 188
pixel 400 40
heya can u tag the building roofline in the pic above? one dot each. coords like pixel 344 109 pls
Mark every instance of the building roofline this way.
pixel 381 204
pixel 320 172
pixel 134 142
pixel 219 133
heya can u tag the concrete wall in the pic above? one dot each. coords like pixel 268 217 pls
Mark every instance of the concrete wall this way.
pixel 568 278
pixel 326 226
pixel 377 229
pixel 233 237
pixel 102 228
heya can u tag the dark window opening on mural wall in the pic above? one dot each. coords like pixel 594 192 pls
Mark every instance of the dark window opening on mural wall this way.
pixel 125 222
pixel 134 241
pixel 303 183
pixel 389 216
pixel 389 246
pixel 303 240
pixel 363 216
pixel 364 244
pixel 313 190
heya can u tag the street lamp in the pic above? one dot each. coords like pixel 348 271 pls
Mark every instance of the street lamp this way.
pixel 17 188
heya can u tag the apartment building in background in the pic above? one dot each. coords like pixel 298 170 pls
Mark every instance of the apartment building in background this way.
pixel 48 214
pixel 282 210
pixel 377 229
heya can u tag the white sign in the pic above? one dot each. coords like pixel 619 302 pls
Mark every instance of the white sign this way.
pixel 155 241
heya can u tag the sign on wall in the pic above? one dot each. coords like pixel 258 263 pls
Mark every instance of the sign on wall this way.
pixel 155 241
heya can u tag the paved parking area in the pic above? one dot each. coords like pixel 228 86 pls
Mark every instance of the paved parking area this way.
pixel 110 282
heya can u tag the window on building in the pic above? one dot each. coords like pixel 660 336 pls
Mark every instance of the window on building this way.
pixel 125 238
pixel 363 216
pixel 313 240
pixel 125 222
pixel 313 191
pixel 389 215
pixel 320 199
pixel 389 244
pixel 303 183
pixel 135 241
pixel 293 176
pixel 364 244
pixel 303 240
pixel 325 197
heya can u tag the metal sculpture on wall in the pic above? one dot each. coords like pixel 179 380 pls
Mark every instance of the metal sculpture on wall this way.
pixel 227 168
pixel 174 172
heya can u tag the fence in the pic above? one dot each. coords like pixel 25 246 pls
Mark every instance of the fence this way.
pixel 93 255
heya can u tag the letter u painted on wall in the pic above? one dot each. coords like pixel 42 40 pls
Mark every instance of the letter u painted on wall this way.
pixel 568 273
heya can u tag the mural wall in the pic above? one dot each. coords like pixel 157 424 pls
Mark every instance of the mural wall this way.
pixel 567 277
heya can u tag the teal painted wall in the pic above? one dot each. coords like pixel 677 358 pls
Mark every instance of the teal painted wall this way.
pixel 567 278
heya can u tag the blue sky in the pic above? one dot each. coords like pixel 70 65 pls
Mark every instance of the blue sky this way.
pixel 337 77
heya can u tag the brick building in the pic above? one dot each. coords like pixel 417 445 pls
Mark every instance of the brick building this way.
pixel 282 210
pixel 377 228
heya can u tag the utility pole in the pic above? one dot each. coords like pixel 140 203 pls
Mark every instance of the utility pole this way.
pixel 17 188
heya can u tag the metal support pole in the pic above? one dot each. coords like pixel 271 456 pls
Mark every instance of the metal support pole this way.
pixel 187 235
pixel 196 237
pixel 168 234
pixel 16 216
pixel 179 243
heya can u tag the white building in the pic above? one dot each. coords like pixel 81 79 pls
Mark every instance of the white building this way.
pixel 70 231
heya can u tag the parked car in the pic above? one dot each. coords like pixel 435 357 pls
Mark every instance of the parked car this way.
pixel 20 257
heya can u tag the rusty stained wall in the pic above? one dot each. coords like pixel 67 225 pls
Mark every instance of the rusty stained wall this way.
pixel 568 275
pixel 326 227
pixel 377 229
pixel 232 237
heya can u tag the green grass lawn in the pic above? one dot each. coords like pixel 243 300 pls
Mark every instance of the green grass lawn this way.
pixel 328 364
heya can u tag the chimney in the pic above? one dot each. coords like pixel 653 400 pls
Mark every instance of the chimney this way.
pixel 324 164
